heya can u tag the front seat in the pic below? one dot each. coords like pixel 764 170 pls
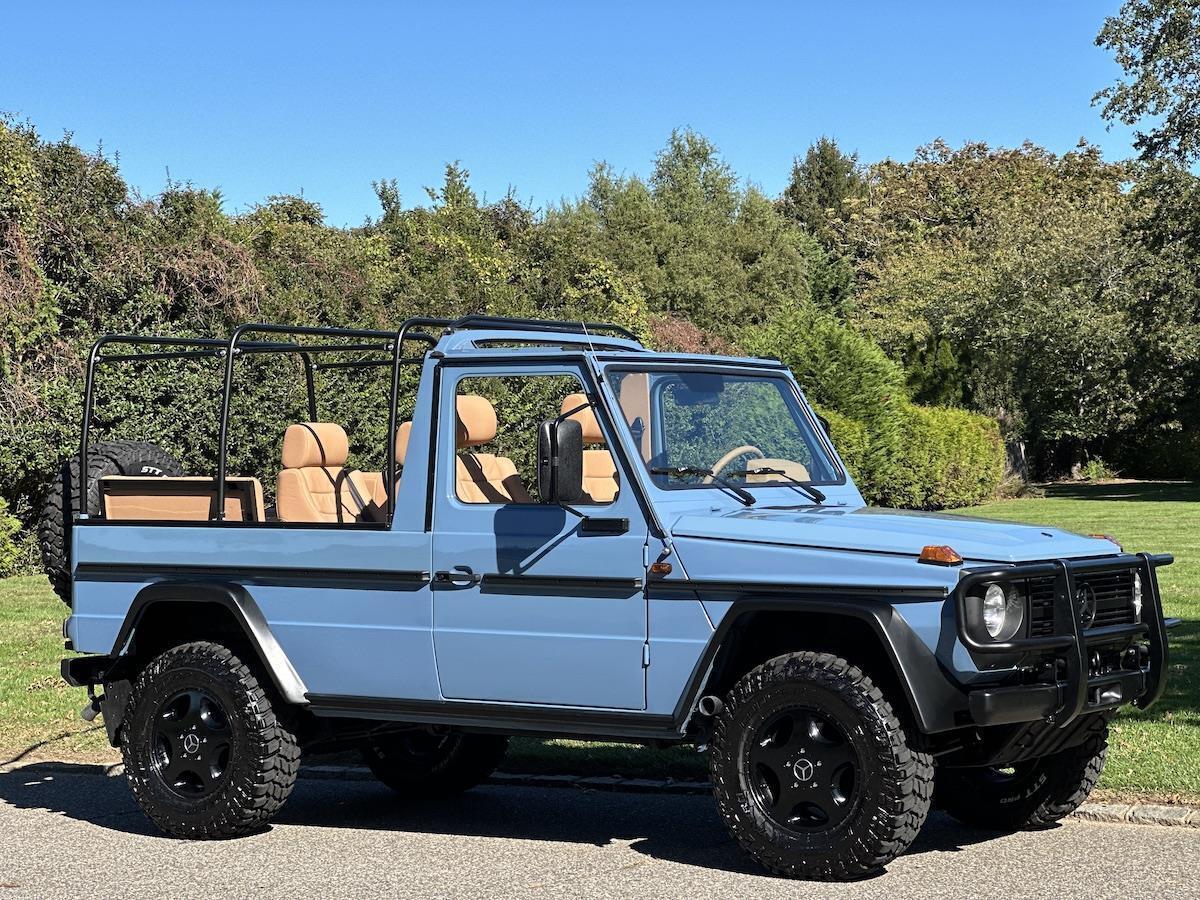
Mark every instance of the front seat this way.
pixel 315 485
pixel 483 477
pixel 600 479
pixel 376 482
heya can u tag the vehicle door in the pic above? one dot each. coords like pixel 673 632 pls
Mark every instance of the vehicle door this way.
pixel 532 603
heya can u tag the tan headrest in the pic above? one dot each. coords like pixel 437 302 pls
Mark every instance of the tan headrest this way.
pixel 586 417
pixel 402 434
pixel 315 444
pixel 476 420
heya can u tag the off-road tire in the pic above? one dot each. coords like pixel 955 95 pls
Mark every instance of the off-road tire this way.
pixel 443 766
pixel 69 494
pixel 894 786
pixel 263 759
pixel 1036 794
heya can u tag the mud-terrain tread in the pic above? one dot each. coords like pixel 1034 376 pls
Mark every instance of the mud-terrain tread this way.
pixel 1073 774
pixel 901 811
pixel 104 458
pixel 239 808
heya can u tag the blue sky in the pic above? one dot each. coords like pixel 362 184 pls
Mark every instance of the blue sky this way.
pixel 323 98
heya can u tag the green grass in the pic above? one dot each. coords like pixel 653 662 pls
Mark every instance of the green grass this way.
pixel 39 713
pixel 1153 754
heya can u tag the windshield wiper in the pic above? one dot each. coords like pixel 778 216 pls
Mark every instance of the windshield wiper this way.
pixel 808 489
pixel 676 471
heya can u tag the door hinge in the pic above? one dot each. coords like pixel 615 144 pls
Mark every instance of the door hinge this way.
pixel 645 556
pixel 646 655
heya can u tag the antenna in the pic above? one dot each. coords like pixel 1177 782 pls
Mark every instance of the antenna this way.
pixel 587 334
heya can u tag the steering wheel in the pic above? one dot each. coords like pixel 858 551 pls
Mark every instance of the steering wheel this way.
pixel 730 457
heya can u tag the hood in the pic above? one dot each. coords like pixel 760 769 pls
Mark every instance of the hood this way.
pixel 902 532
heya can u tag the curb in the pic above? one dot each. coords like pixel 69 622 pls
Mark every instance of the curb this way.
pixel 1125 813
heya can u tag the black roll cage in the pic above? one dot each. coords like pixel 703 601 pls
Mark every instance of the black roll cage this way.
pixel 367 341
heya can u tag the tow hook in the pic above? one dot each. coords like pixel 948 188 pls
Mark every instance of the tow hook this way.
pixel 92 709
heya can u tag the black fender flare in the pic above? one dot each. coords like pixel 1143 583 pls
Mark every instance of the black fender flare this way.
pixel 937 702
pixel 237 600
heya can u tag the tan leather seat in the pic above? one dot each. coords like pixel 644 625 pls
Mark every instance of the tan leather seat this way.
pixel 314 485
pixel 600 479
pixel 483 477
pixel 375 481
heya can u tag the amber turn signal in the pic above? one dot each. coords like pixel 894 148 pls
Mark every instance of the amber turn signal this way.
pixel 1110 539
pixel 940 555
pixel 660 568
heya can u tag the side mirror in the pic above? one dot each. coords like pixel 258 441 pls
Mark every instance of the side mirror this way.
pixel 824 422
pixel 560 461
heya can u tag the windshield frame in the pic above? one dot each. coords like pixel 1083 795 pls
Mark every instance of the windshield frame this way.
pixel 773 371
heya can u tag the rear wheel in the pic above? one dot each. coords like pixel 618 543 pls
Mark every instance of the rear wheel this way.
pixel 425 764
pixel 69 494
pixel 206 752
pixel 812 771
pixel 1027 795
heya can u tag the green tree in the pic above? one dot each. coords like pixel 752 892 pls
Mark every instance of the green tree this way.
pixel 933 373
pixel 698 245
pixel 1157 43
pixel 1018 258
pixel 822 189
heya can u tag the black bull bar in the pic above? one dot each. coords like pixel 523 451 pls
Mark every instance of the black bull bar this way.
pixel 1069 640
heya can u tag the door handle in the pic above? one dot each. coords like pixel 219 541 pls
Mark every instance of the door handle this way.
pixel 459 576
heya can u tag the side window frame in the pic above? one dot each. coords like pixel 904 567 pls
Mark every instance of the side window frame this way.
pixel 453 375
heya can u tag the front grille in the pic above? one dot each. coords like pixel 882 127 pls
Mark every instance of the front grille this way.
pixel 1114 597
pixel 1114 601
pixel 1041 607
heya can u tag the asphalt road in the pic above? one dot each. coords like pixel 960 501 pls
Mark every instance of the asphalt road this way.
pixel 81 836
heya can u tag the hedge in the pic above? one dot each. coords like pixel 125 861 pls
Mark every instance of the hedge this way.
pixel 900 454
pixel 10 550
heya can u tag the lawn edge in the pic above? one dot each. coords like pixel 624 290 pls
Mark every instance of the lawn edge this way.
pixel 1111 810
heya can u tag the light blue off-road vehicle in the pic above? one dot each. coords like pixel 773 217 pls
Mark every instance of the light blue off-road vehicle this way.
pixel 573 535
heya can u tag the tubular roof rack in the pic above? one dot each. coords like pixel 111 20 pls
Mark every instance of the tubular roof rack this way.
pixel 506 323
pixel 387 343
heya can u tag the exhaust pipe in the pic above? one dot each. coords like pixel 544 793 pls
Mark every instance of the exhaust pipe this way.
pixel 710 706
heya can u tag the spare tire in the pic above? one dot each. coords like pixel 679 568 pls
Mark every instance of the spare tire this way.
pixel 69 494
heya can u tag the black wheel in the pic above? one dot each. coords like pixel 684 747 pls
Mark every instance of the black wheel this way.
pixel 1031 794
pixel 812 771
pixel 69 494
pixel 424 764
pixel 206 752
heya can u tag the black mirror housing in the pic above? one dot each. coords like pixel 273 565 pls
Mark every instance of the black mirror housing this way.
pixel 560 461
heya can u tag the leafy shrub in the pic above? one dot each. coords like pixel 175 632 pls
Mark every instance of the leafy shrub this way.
pixel 948 458
pixel 841 370
pixel 852 443
pixel 11 554
pixel 899 454
pixel 1096 469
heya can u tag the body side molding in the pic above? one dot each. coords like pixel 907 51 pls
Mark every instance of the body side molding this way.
pixel 502 717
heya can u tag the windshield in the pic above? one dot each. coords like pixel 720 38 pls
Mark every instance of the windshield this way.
pixel 709 428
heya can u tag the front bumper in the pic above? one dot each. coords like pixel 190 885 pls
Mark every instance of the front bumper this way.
pixel 1060 703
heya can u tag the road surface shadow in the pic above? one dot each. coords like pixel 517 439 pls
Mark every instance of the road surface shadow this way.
pixel 682 829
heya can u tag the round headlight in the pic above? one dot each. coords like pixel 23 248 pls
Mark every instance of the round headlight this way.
pixel 1003 612
pixel 1137 597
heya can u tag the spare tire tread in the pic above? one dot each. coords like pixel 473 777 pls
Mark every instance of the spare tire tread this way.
pixel 66 494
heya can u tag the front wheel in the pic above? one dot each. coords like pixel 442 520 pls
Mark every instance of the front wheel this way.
pixel 206 752
pixel 812 771
pixel 1027 795
pixel 422 765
